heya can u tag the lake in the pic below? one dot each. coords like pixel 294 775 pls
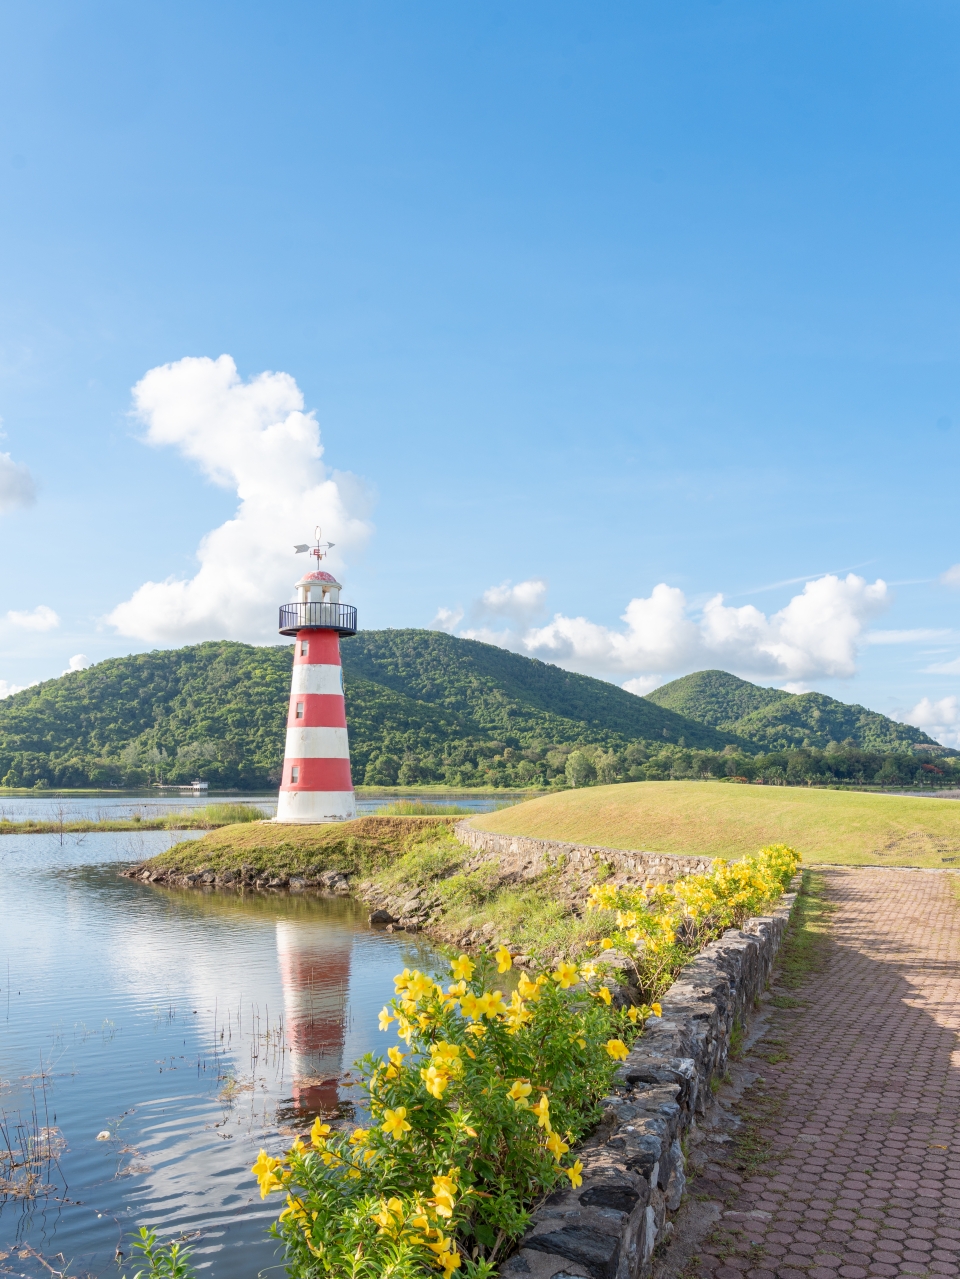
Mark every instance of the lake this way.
pixel 44 806
pixel 192 1028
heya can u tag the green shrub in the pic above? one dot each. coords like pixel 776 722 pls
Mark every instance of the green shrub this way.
pixel 164 1261
pixel 470 1126
pixel 229 814
pixel 476 1121
pixel 417 808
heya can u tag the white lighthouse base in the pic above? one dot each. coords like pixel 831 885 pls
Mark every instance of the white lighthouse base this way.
pixel 307 806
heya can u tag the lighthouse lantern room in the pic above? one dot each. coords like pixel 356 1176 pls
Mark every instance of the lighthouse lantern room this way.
pixel 316 785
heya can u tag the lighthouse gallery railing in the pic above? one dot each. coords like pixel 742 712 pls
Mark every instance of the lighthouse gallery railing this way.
pixel 331 617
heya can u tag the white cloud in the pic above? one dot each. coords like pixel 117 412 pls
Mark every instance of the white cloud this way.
pixel 252 437
pixel 816 634
pixel 17 487
pixel 520 603
pixel 642 685
pixel 447 619
pixel 944 668
pixel 41 618
pixel 8 690
pixel 918 636
pixel 941 719
pixel 79 662
pixel 952 576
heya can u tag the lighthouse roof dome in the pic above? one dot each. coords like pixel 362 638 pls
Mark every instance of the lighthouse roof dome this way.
pixel 318 576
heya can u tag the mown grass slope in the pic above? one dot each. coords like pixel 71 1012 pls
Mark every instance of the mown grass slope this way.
pixel 722 820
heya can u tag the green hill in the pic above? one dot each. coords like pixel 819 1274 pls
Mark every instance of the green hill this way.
pixel 426 707
pixel 422 706
pixel 774 720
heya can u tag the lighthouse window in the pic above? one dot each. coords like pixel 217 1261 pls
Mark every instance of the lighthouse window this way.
pixel 304 647
pixel 299 710
pixel 294 774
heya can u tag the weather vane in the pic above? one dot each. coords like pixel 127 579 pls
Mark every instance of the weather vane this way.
pixel 318 550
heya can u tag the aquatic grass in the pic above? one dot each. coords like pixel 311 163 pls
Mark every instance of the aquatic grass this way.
pixel 230 814
pixel 417 808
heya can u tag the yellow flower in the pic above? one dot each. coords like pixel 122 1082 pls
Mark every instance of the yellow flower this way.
pixel 471 1006
pixel 616 1048
pixel 504 960
pixel 395 1123
pixel 419 987
pixel 265 1171
pixel 575 1174
pixel 606 944
pixel 401 981
pixel 519 1092
pixel 578 1039
pixel 588 972
pixel 462 968
pixel 385 1018
pixel 404 1029
pixel 359 1136
pixel 528 989
pixel 455 991
pixel 395 1055
pixel 656 1010
pixel 389 1217
pixel 478 1029
pixel 633 1014
pixel 604 994
pixel 448 1053
pixel 297 1148
pixel 444 1192
pixel 542 1111
pixel 436 1080
pixel 319 1131
pixel 565 975
pixel 556 1145
pixel 490 1003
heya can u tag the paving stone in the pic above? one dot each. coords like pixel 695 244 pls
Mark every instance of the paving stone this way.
pixel 863 1117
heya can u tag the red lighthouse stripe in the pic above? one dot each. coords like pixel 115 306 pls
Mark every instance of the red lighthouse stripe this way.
pixel 317 710
pixel 317 774
pixel 321 647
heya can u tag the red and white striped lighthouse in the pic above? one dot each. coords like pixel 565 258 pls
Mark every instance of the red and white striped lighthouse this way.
pixel 316 785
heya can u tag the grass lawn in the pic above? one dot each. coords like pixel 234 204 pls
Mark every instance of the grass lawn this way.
pixel 722 820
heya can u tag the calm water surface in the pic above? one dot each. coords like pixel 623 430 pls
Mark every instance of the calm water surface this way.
pixel 103 807
pixel 192 1027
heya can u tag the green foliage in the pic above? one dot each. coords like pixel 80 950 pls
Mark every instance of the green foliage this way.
pixel 775 720
pixel 230 814
pixel 417 808
pixel 476 1121
pixel 428 708
pixel 164 1261
pixel 470 1126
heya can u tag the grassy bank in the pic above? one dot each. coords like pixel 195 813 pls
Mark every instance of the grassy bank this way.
pixel 392 857
pixel 836 827
pixel 212 817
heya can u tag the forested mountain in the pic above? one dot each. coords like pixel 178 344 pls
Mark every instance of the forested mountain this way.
pixel 775 720
pixel 423 707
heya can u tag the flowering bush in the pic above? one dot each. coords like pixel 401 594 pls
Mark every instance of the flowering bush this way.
pixel 474 1119
pixel 660 926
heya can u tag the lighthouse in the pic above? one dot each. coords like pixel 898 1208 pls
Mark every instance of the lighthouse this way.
pixel 316 785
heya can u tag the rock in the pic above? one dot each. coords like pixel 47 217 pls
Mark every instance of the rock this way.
pixel 208 877
pixel 278 881
pixel 330 877
pixel 677 1181
pixel 229 876
pixel 342 888
pixel 296 883
pixel 381 917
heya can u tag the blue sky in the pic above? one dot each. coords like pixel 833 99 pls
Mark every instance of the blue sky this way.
pixel 591 298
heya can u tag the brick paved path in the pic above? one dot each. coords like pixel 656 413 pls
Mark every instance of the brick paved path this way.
pixel 863 1116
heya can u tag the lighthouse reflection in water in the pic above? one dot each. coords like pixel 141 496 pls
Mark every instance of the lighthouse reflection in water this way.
pixel 335 975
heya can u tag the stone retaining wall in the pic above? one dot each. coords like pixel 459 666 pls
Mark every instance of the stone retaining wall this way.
pixel 539 855
pixel 633 1166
